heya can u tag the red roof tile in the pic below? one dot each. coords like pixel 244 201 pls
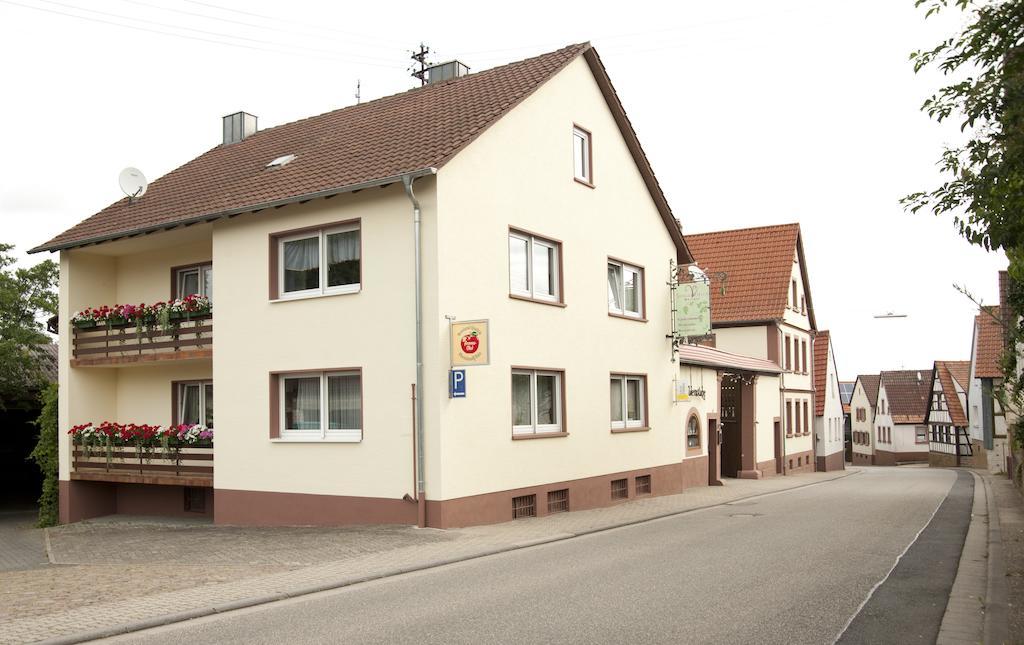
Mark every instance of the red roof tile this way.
pixel 989 351
pixel 821 341
pixel 946 372
pixel 758 263
pixel 338 151
pixel 907 392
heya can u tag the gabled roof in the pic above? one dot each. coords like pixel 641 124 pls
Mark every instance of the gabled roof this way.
pixel 412 133
pixel 758 263
pixel 907 392
pixel 989 350
pixel 711 357
pixel 821 342
pixel 946 372
pixel 870 384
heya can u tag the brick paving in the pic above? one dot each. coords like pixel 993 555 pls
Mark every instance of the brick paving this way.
pixel 125 571
pixel 21 544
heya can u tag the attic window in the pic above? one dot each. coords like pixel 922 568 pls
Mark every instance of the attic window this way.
pixel 281 161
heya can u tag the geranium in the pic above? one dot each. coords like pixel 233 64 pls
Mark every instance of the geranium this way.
pixel 142 314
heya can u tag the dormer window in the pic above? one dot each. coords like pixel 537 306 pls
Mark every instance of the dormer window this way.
pixel 582 156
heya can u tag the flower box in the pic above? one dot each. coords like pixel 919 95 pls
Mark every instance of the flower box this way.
pixel 85 324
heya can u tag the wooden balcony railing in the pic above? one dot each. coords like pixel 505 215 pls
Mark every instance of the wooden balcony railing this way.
pixel 127 343
pixel 189 467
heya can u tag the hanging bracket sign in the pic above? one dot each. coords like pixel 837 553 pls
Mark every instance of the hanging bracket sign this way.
pixel 470 343
pixel 693 309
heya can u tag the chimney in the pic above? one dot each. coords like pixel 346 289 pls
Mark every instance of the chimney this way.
pixel 238 126
pixel 445 71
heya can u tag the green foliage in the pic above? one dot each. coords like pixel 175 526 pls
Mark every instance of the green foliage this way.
pixel 26 295
pixel 45 455
pixel 984 185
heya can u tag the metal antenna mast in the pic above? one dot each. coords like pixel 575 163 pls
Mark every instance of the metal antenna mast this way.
pixel 358 91
pixel 420 57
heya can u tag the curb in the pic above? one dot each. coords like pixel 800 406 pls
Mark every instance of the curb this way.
pixel 996 624
pixel 168 619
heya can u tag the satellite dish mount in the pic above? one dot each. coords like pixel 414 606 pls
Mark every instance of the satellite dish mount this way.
pixel 133 183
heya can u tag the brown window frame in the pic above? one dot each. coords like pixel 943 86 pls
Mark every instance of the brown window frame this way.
pixel 589 180
pixel 645 422
pixel 803 356
pixel 562 411
pixel 273 261
pixel 789 417
pixel 175 396
pixel 692 414
pixel 807 418
pixel 789 353
pixel 642 315
pixel 185 267
pixel 559 300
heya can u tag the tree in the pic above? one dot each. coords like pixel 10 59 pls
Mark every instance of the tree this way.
pixel 26 295
pixel 984 178
pixel 45 455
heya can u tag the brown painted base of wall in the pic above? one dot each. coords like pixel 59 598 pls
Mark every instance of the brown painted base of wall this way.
pixel 262 508
pixel 828 463
pixel 800 462
pixel 81 500
pixel 886 458
pixel 978 460
pixel 863 459
pixel 767 468
pixel 590 492
pixel 941 460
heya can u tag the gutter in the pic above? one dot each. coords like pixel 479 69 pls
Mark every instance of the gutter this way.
pixel 209 217
pixel 421 496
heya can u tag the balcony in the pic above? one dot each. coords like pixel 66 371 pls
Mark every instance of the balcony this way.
pixel 126 465
pixel 130 334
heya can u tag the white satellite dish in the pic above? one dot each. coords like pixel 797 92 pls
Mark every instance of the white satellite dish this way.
pixel 133 182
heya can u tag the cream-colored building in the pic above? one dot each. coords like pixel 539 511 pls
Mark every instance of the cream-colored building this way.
pixel 761 307
pixel 338 251
pixel 863 405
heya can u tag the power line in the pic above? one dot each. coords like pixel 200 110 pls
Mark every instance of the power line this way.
pixel 176 35
pixel 195 30
pixel 243 23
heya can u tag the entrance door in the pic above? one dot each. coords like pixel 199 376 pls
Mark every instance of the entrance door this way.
pixel 732 412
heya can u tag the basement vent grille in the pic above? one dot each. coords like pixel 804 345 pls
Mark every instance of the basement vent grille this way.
pixel 643 485
pixel 558 501
pixel 620 489
pixel 524 506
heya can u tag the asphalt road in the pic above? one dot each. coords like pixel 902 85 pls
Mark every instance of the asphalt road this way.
pixel 793 567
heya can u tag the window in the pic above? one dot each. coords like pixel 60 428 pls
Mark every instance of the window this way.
pixel 536 402
pixel 628 401
pixel 807 420
pixel 693 432
pixel 524 506
pixel 789 355
pixel 582 157
pixel 789 418
pixel 319 262
pixel 197 279
pixel 625 289
pixel 534 265
pixel 921 434
pixel 194 403
pixel 803 356
pixel 793 304
pixel 558 501
pixel 643 485
pixel 322 406
pixel 620 489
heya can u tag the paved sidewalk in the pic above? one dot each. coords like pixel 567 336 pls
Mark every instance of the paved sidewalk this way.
pixel 173 570
pixel 1010 511
pixel 21 544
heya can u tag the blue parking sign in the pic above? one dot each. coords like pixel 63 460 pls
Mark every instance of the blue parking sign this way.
pixel 457 384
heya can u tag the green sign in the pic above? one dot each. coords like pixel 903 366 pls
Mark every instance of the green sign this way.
pixel 693 309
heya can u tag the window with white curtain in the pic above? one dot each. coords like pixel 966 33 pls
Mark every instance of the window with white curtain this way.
pixel 320 262
pixel 321 406
pixel 581 155
pixel 195 403
pixel 196 280
pixel 628 401
pixel 536 402
pixel 625 289
pixel 533 267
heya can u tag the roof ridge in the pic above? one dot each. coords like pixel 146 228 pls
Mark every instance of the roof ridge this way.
pixel 747 228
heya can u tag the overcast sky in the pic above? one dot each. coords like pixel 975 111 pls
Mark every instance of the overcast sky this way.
pixel 807 112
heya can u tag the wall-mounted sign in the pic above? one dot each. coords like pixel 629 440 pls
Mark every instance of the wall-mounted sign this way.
pixel 457 384
pixel 470 343
pixel 693 309
pixel 680 391
pixel 697 393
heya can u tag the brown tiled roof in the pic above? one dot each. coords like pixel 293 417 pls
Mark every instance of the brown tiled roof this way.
pixel 758 263
pixel 870 384
pixel 821 341
pixel 946 371
pixel 907 392
pixel 989 351
pixel 339 151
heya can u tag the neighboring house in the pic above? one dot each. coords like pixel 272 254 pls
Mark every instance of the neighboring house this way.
pixel 846 392
pixel 987 421
pixel 949 440
pixel 340 245
pixel 763 309
pixel 863 403
pixel 900 430
pixel 828 406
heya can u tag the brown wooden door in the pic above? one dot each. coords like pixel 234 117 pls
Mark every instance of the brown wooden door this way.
pixel 732 413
